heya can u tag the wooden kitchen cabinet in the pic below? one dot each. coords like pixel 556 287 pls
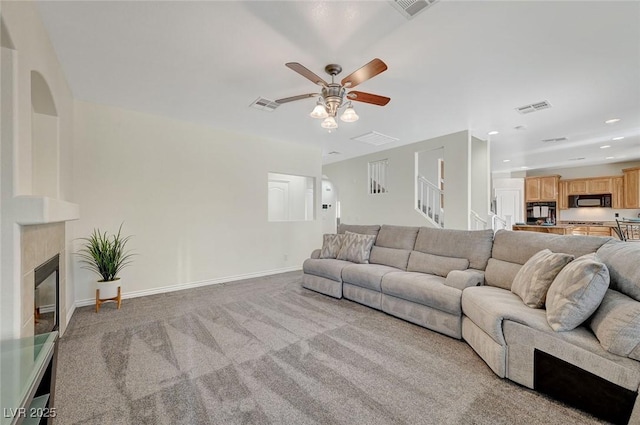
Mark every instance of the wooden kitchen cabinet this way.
pixel 543 188
pixel 617 194
pixel 594 186
pixel 591 230
pixel 577 187
pixel 563 200
pixel 599 231
pixel 581 230
pixel 531 189
pixel 597 186
pixel 631 188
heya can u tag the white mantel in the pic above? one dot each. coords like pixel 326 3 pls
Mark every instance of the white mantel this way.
pixel 41 210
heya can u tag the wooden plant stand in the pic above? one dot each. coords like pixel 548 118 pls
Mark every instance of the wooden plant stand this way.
pixel 117 299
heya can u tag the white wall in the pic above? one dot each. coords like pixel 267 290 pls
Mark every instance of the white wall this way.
pixel 32 52
pixel 329 197
pixel 612 169
pixel 397 206
pixel 480 177
pixel 428 164
pixel 194 198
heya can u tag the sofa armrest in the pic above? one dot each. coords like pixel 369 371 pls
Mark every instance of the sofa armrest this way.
pixel 462 279
pixel 315 253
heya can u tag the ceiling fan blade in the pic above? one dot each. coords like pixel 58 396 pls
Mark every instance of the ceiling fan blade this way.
pixel 374 99
pixel 300 69
pixel 299 97
pixel 368 71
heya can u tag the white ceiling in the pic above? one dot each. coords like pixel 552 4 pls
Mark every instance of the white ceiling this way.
pixel 458 65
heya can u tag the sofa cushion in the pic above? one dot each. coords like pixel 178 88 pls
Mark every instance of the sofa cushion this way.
pixel 435 264
pixel 512 249
pixel 576 293
pixel 501 273
pixel 518 247
pixel 359 228
pixel 400 237
pixel 331 244
pixel 397 258
pixel 366 275
pixel 423 289
pixel 331 269
pixel 356 247
pixel 536 275
pixel 616 324
pixel 487 307
pixel 474 245
pixel 622 259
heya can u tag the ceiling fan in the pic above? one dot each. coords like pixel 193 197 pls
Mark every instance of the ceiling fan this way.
pixel 334 96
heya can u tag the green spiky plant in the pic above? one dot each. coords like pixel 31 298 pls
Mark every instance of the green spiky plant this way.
pixel 105 254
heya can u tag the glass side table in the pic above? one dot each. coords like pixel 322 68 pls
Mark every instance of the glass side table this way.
pixel 27 379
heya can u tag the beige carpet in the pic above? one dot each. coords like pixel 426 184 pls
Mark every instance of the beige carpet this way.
pixel 265 351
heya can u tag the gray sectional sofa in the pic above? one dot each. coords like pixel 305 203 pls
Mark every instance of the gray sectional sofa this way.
pixel 459 283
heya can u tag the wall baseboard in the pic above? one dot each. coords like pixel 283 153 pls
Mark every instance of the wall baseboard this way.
pixel 181 286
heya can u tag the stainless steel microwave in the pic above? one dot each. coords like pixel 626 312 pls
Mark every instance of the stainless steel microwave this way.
pixel 590 201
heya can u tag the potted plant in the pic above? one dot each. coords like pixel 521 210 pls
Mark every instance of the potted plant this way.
pixel 106 255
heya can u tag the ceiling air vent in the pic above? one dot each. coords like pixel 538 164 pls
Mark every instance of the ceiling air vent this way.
pixel 579 158
pixel 410 8
pixel 374 138
pixel 557 139
pixel 334 153
pixel 527 109
pixel 264 104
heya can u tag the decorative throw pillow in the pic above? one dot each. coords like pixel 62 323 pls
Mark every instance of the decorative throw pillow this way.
pixel 331 245
pixel 617 325
pixel 536 275
pixel 356 247
pixel 576 292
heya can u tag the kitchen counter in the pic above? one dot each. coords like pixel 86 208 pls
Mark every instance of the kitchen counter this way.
pixel 558 229
pixel 591 228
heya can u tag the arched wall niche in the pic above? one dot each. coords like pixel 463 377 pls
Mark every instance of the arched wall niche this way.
pixel 45 157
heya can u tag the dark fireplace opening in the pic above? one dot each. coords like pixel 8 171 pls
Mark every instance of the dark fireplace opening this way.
pixel 47 296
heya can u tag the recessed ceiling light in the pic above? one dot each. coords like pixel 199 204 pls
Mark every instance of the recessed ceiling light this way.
pixel 610 157
pixel 506 160
pixel 618 138
pixel 605 146
pixel 612 121
pixel 493 133
pixel 524 168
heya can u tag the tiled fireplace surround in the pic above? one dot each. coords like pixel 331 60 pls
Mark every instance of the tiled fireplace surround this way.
pixel 38 243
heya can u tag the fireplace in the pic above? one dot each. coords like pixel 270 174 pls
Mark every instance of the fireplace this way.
pixel 47 296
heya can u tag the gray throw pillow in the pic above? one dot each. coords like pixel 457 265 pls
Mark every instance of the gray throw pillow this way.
pixel 576 293
pixel 356 248
pixel 331 245
pixel 532 281
pixel 616 324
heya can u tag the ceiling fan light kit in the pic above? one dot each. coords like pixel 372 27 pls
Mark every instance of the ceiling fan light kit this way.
pixel 334 96
pixel 349 114
pixel 319 111
pixel 329 123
